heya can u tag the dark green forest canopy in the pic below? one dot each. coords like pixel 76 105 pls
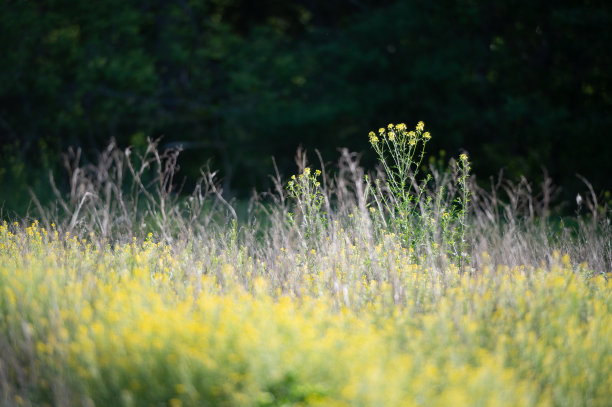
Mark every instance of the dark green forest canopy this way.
pixel 519 85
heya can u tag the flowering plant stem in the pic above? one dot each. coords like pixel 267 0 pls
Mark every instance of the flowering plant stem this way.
pixel 310 219
pixel 407 200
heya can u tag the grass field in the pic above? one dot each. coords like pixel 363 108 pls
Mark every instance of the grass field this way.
pixel 324 296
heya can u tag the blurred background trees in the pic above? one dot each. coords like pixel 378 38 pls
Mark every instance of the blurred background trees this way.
pixel 519 85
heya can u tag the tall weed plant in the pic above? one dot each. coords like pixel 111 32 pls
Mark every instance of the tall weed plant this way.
pixel 310 219
pixel 430 217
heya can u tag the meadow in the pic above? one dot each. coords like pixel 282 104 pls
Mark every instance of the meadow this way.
pixel 405 286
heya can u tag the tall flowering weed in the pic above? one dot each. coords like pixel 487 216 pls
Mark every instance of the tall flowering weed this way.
pixel 309 219
pixel 422 218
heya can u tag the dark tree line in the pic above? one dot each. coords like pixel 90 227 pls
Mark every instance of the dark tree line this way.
pixel 519 85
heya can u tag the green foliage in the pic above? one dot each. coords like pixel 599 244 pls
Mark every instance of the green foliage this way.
pixel 20 179
pixel 516 86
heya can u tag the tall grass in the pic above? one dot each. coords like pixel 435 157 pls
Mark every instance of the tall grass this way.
pixel 327 293
pixel 441 218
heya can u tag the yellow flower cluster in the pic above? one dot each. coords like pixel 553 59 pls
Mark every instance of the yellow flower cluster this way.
pixel 145 324
pixel 373 138
pixel 399 133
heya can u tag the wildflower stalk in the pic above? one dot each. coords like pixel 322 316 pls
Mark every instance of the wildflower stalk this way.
pixel 464 172
pixel 407 199
pixel 309 218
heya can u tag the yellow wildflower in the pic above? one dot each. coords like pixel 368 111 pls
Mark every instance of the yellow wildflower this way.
pixel 420 126
pixel 426 135
pixel 373 138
